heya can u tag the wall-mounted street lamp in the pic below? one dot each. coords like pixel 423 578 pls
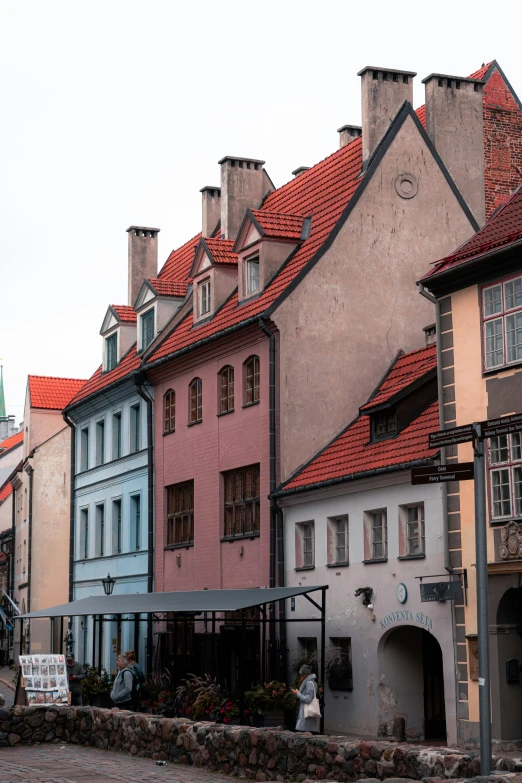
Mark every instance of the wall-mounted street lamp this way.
pixel 367 592
pixel 108 584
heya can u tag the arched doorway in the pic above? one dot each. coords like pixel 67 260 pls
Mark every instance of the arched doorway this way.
pixel 412 682
pixel 506 688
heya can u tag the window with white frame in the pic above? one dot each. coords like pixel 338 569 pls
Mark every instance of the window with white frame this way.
pixel 135 522
pixel 502 323
pixel 100 442
pixel 305 545
pixel 204 297
pixel 111 347
pixel 414 529
pixel 252 275
pixel 378 534
pixel 135 412
pixel 505 475
pixel 338 540
pixel 116 435
pixel 84 448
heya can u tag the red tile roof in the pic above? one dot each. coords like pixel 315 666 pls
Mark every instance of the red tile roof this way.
pixel 279 224
pixel 125 313
pixel 129 363
pixel 352 453
pixel 177 266
pixel 52 393
pixel 221 250
pixel 5 491
pixel 407 369
pixel 11 442
pixel 169 288
pixel 502 229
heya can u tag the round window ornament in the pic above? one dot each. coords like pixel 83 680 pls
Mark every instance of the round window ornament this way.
pixel 406 185
pixel 402 593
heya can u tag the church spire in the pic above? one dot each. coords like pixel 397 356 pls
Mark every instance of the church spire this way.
pixel 2 396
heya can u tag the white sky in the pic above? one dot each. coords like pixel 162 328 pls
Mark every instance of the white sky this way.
pixel 116 112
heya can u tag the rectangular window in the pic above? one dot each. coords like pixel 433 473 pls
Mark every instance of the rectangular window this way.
pixel 502 323
pixel 84 533
pixel 252 275
pixel 135 522
pixel 308 650
pixel 111 348
pixel 384 424
pixel 135 428
pixel 340 664
pixel 116 527
pixel 338 540
pixel 242 501
pixel 415 530
pixel 147 329
pixel 99 548
pixel 204 297
pixel 505 472
pixel 116 435
pixel 84 448
pixel 100 442
pixel 308 544
pixel 180 513
pixel 379 535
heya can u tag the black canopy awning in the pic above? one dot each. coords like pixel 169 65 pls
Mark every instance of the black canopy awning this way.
pixel 196 601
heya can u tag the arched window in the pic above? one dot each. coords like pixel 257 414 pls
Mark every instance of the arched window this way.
pixel 251 380
pixel 195 401
pixel 226 389
pixel 169 411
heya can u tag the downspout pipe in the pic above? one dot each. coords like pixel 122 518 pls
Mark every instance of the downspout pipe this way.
pixel 140 380
pixel 30 472
pixel 72 532
pixel 440 394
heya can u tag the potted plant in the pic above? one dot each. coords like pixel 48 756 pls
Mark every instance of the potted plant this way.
pixel 269 702
pixel 338 670
pixel 96 688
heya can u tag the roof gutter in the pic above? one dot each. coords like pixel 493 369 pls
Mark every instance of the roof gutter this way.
pixel 440 395
pixel 279 493
pixel 495 253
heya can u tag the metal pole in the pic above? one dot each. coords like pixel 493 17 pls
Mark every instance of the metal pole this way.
pixel 52 634
pixel 482 602
pixel 61 635
pixel 100 642
pixel 241 671
pixel 263 645
pixel 93 641
pixel 323 648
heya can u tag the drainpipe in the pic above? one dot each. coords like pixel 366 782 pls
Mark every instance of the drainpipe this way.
pixel 72 502
pixel 30 472
pixel 444 487
pixel 12 561
pixel 139 380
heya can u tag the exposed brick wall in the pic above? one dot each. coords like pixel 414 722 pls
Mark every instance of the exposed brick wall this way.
pixel 502 142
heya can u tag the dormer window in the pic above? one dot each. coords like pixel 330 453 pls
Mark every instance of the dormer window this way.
pixel 111 348
pixel 204 297
pixel 252 275
pixel 384 425
pixel 147 329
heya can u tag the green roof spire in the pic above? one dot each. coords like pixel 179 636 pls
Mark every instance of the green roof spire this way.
pixel 2 396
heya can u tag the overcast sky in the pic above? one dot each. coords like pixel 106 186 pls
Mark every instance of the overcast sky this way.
pixel 116 112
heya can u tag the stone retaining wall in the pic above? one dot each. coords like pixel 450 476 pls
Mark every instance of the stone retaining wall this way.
pixel 256 754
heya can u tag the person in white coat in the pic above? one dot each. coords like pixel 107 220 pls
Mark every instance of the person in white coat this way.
pixel 307 691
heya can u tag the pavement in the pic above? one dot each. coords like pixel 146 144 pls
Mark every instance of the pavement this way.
pixel 73 764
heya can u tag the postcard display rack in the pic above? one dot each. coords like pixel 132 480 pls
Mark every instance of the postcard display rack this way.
pixel 44 679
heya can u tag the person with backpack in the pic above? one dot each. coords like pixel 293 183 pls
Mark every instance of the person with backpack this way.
pixel 139 689
pixel 123 685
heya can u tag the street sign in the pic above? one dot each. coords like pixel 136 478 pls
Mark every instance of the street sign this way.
pixel 437 474
pixel 451 437
pixel 441 591
pixel 504 425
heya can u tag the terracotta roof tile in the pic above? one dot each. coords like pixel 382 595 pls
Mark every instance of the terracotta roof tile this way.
pixel 279 224
pixel 407 369
pixel 5 491
pixel 221 250
pixel 98 381
pixel 11 442
pixel 352 453
pixel 177 266
pixel 52 393
pixel 125 313
pixel 168 287
pixel 503 228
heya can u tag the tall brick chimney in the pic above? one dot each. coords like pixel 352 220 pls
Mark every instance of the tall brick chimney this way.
pixel 454 122
pixel 348 133
pixel 243 185
pixel 383 91
pixel 211 209
pixel 143 257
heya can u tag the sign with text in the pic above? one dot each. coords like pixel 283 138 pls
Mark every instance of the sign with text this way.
pixel 441 591
pixel 437 474
pixel 451 437
pixel 504 425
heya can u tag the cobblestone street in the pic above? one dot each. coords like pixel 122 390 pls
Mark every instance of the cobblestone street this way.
pixel 68 764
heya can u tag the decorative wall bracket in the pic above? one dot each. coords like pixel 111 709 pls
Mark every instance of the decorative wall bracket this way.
pixel 511 541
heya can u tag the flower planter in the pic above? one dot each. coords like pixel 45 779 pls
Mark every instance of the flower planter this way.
pixel 273 718
pixel 340 683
